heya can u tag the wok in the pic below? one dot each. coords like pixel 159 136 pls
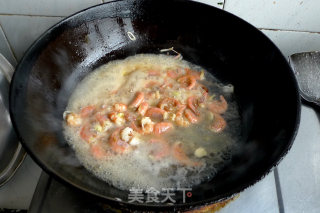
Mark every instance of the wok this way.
pixel 228 47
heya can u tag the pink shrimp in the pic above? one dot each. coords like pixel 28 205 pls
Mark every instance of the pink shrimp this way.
pixel 192 103
pixel 138 100
pixel 86 111
pixel 191 116
pixel 155 113
pixel 174 74
pixel 86 133
pixel 98 152
pixel 101 118
pixel 143 108
pixel 117 145
pixel 161 150
pixel 204 92
pixel 219 124
pixel 187 81
pixel 179 154
pixel 119 107
pixel 153 72
pixel 193 73
pixel 162 127
pixel 168 104
pixel 218 107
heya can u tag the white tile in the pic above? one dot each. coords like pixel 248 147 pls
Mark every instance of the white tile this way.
pixel 18 192
pixel 5 49
pixel 293 42
pixel 299 172
pixel 300 15
pixel 215 3
pixel 21 31
pixel 260 198
pixel 45 7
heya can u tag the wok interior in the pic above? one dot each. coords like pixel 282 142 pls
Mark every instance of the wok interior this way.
pixel 232 50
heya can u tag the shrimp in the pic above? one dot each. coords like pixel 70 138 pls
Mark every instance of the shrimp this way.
pixel 219 124
pixel 193 73
pixel 153 72
pixel 73 119
pixel 174 74
pixel 180 121
pixel 119 107
pixel 188 81
pixel 138 100
pixel 191 116
pixel 86 111
pixel 162 127
pixel 87 134
pixel 98 152
pixel 168 104
pixel 218 107
pixel 161 149
pixel 117 145
pixel 204 92
pixel 143 108
pixel 192 103
pixel 155 113
pixel 179 154
pixel 102 118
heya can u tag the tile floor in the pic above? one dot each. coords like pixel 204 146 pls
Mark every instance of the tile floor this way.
pixel 293 25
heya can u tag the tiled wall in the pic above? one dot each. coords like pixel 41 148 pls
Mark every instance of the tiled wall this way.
pixel 293 25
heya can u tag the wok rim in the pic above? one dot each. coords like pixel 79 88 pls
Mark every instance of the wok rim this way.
pixel 212 200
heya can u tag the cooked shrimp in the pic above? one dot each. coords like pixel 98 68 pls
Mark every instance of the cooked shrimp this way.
pixel 119 107
pixel 117 117
pixel 218 106
pixel 155 113
pixel 219 124
pixel 192 103
pixel 98 152
pixel 181 121
pixel 174 74
pixel 161 149
pixel 142 109
pixel 86 111
pixel 87 134
pixel 73 119
pixel 153 72
pixel 168 104
pixel 191 116
pixel 138 100
pixel 179 154
pixel 101 118
pixel 193 73
pixel 187 81
pixel 162 127
pixel 117 145
pixel 147 125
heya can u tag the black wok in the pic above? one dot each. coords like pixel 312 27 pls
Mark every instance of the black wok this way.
pixel 228 47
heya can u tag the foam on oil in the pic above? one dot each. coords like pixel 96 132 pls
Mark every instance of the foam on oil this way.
pixel 135 169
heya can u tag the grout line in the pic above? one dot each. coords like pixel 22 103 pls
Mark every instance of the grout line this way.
pixel 30 15
pixel 296 31
pixel 278 189
pixel 224 3
pixel 8 43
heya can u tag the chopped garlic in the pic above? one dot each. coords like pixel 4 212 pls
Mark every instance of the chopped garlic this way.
pixel 200 152
pixel 126 134
pixel 97 127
